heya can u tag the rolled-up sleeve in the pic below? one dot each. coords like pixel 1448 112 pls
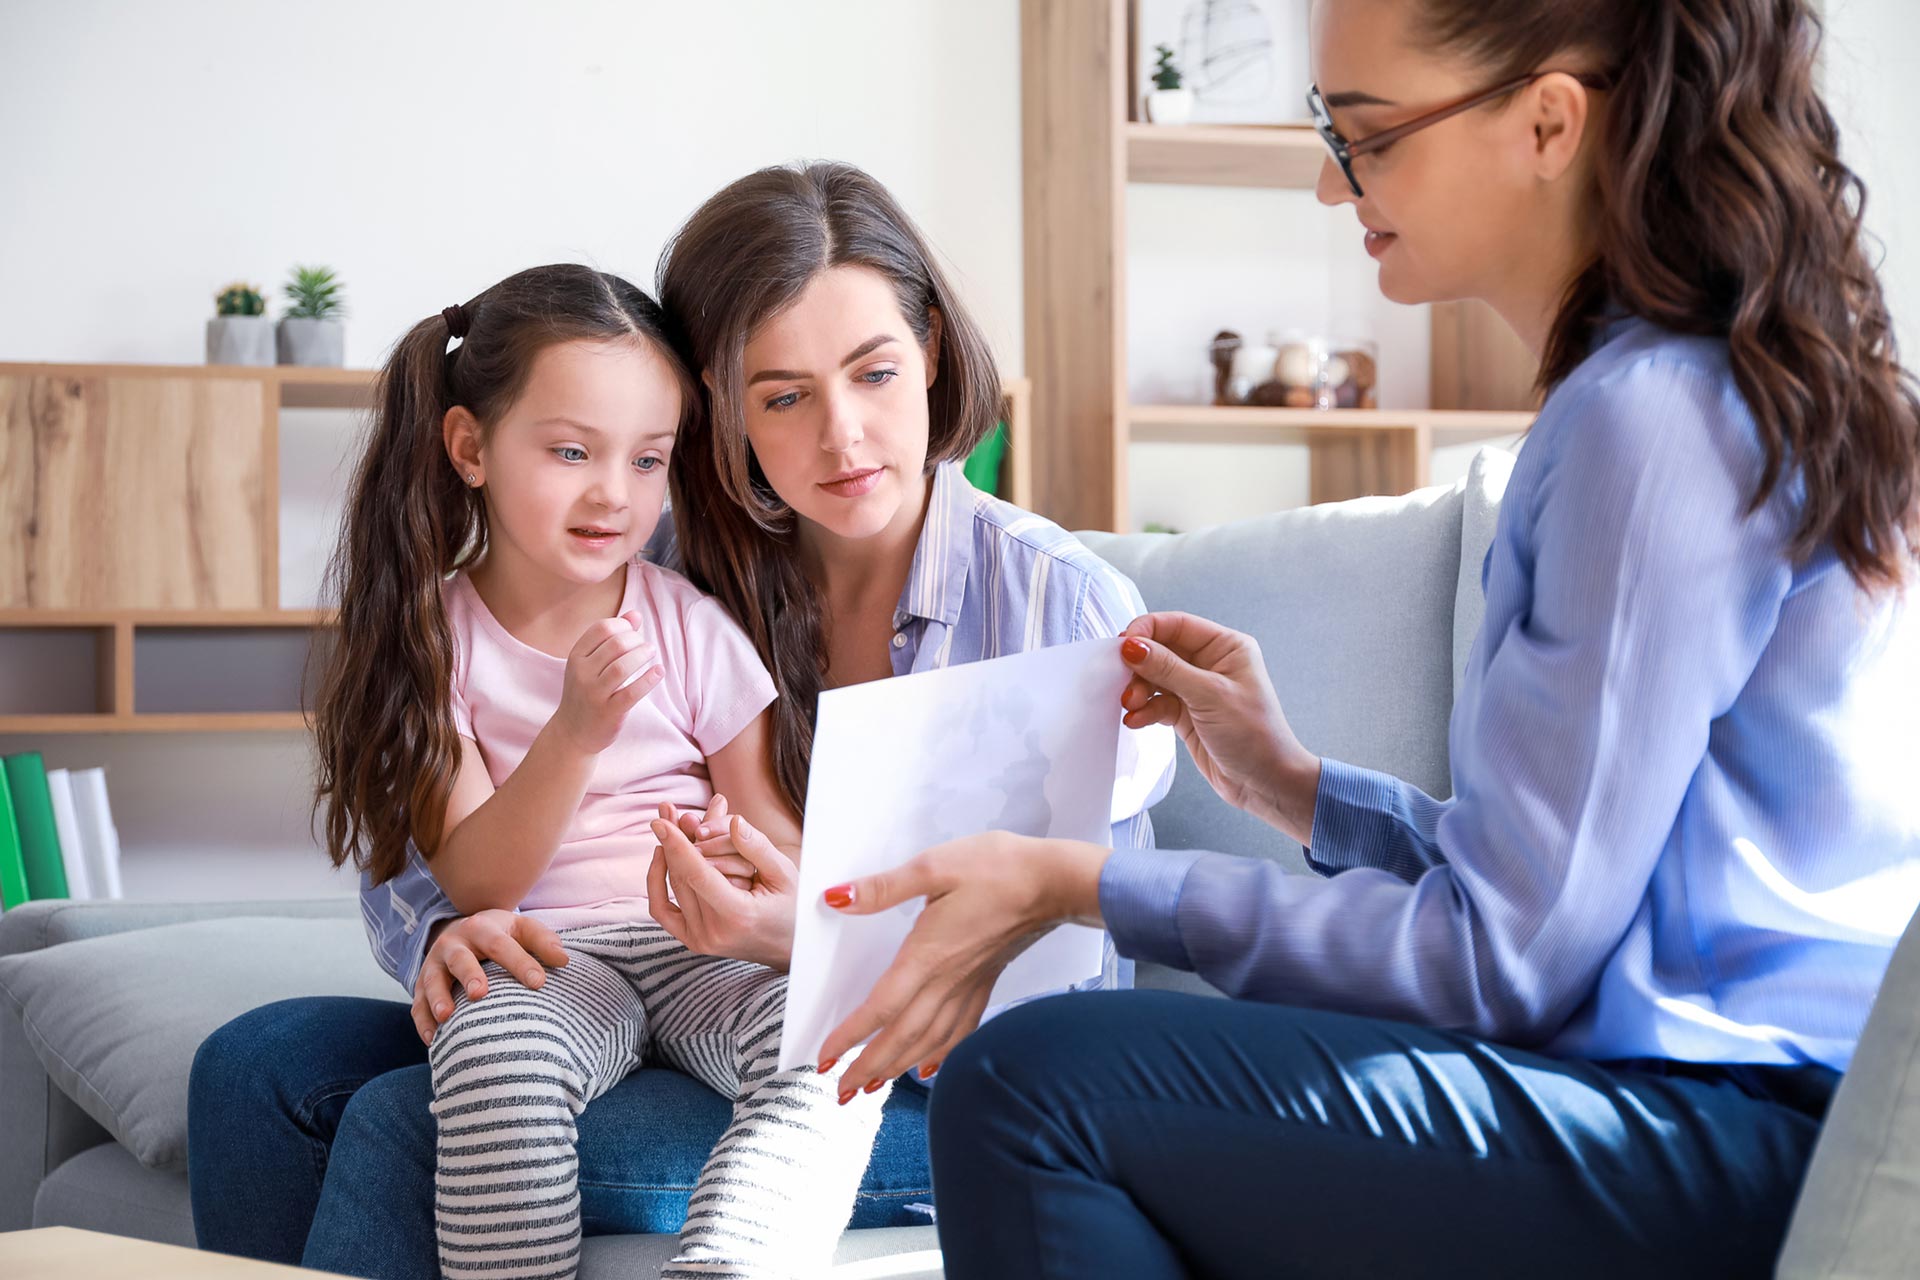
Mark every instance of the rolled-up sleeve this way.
pixel 399 916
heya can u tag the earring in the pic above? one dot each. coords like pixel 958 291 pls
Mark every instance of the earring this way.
pixel 470 479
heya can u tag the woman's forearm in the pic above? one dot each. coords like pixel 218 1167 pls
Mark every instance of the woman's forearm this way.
pixel 494 857
pixel 1070 882
pixel 1285 800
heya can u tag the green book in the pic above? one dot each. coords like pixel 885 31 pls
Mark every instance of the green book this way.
pixel 33 815
pixel 13 872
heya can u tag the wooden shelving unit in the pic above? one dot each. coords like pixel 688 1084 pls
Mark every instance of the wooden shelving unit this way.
pixel 138 502
pixel 1355 451
pixel 1081 146
pixel 1224 155
pixel 1165 421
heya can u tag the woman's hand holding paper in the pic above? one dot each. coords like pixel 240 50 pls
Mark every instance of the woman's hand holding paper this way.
pixel 989 897
pixel 1210 683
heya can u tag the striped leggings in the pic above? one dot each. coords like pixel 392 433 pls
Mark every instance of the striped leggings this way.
pixel 512 1071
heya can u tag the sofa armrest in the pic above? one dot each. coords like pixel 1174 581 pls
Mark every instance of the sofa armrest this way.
pixel 43 1127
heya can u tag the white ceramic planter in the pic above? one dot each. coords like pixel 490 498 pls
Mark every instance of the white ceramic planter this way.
pixel 239 340
pixel 1170 106
pixel 312 342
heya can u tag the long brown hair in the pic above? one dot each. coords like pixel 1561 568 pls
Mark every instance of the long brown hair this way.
pixel 1723 208
pixel 743 257
pixel 383 720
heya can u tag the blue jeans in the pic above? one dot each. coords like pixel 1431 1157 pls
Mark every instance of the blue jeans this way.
pixel 310 1143
pixel 1151 1134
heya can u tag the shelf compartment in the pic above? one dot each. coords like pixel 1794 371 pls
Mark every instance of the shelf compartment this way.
pixel 228 670
pixel 56 671
pixel 1354 451
pixel 1222 155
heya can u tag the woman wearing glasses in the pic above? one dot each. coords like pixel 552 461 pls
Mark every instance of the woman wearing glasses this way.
pixel 1585 1015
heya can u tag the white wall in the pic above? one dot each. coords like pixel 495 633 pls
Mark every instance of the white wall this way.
pixel 1872 82
pixel 151 152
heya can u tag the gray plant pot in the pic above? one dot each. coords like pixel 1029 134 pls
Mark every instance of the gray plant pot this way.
pixel 239 340
pixel 313 342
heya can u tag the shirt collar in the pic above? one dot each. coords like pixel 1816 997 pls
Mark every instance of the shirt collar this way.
pixel 937 583
pixel 1613 320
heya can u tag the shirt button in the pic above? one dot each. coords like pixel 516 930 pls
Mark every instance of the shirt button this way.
pixel 899 641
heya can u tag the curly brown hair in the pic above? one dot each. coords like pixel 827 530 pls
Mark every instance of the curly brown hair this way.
pixel 383 720
pixel 1723 208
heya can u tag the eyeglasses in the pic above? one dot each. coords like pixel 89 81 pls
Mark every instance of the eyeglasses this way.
pixel 1344 152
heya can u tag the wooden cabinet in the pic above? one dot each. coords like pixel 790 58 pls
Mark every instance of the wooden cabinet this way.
pixel 140 547
pixel 144 491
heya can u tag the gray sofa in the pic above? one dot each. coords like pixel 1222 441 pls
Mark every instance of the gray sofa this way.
pixel 1365 611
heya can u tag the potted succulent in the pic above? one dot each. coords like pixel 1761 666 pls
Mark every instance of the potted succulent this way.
pixel 1171 102
pixel 310 332
pixel 239 332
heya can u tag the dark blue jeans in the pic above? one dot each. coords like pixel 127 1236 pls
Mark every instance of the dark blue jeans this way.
pixel 310 1143
pixel 1150 1134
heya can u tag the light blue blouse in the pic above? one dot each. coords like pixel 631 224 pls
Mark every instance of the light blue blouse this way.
pixel 1686 771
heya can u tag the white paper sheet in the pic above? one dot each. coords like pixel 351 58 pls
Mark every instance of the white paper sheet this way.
pixel 1024 744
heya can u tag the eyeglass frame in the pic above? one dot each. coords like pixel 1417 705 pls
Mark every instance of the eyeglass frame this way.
pixel 1345 152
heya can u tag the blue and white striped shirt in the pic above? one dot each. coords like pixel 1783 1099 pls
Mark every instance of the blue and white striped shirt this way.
pixel 988 580
pixel 1685 820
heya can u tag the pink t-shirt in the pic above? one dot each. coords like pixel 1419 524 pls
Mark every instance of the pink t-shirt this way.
pixel 504 692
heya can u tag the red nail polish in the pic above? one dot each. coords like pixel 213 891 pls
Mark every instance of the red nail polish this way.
pixel 846 1096
pixel 926 1072
pixel 872 1085
pixel 1134 649
pixel 826 1066
pixel 841 895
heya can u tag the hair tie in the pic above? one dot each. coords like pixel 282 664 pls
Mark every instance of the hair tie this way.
pixel 456 319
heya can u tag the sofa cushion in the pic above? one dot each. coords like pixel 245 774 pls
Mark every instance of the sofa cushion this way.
pixel 116 1020
pixel 105 1189
pixel 1352 604
pixel 1859 1209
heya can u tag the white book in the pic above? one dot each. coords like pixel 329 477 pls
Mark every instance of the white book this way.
pixel 66 824
pixel 98 836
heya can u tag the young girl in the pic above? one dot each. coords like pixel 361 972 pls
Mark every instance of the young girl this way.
pixel 1582 1016
pixel 521 696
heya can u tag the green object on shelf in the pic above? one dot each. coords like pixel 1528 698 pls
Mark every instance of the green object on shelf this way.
pixel 13 871
pixel 982 467
pixel 33 817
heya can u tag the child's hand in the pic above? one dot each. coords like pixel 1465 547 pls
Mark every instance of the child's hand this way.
pixel 611 668
pixel 711 833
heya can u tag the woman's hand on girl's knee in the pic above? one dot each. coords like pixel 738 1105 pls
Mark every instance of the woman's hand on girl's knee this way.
pixel 517 943
pixel 708 912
